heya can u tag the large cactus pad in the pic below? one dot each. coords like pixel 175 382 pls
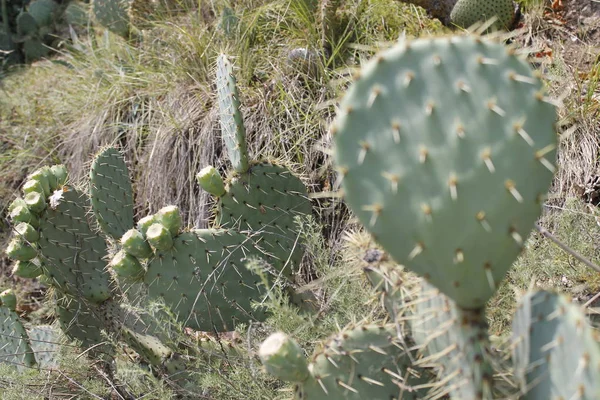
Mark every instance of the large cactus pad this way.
pixel 447 147
pixel 204 281
pixel 73 253
pixel 111 193
pixel 263 203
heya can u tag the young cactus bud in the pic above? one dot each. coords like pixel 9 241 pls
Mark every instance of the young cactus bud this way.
pixel 159 237
pixel 170 218
pixel 33 186
pixel 127 266
pixel 27 232
pixel 36 202
pixel 27 269
pixel 210 180
pixel 59 174
pixel 8 299
pixel 23 214
pixel 284 358
pixel 18 202
pixel 41 175
pixel 145 223
pixel 19 249
pixel 133 243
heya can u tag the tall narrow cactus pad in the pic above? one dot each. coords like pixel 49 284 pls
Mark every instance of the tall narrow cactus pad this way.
pixel 447 147
pixel 14 342
pixel 73 254
pixel 468 12
pixel 556 351
pixel 111 193
pixel 263 203
pixel 232 121
pixel 204 281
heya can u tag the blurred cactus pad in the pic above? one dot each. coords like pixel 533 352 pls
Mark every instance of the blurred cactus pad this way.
pixel 299 200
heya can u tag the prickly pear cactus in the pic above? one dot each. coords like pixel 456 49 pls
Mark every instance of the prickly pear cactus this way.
pixel 556 351
pixel 111 193
pixel 15 349
pixel 446 147
pixel 232 121
pixel 45 342
pixel 364 361
pixel 113 14
pixel 468 12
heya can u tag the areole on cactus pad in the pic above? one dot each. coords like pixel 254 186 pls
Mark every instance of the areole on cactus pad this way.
pixel 446 147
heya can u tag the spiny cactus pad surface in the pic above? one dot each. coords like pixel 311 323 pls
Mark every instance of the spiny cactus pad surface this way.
pixel 113 14
pixel 447 147
pixel 204 281
pixel 556 351
pixel 111 193
pixel 14 342
pixel 232 121
pixel 468 12
pixel 263 203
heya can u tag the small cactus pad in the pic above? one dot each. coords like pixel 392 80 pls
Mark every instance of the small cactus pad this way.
pixel 468 12
pixel 204 281
pixel 73 254
pixel 556 351
pixel 362 362
pixel 113 15
pixel 284 358
pixel 232 121
pixel 264 203
pixel 111 193
pixel 447 148
pixel 14 342
pixel 45 342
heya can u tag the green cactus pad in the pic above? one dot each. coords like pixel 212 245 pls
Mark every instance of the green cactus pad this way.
pixel 447 147
pixel 363 362
pixel 28 269
pixel 45 341
pixel 159 237
pixel 73 252
pixel 26 24
pixel 284 358
pixel 111 193
pixel 264 203
pixel 113 15
pixel 232 121
pixel 204 281
pixel 468 12
pixel 14 342
pixel 210 180
pixel 42 11
pixel 556 351
pixel 80 322
pixel 133 242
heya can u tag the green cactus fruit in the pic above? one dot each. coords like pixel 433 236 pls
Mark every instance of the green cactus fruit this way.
pixel 204 281
pixel 441 133
pixel 469 12
pixel 45 344
pixel 33 186
pixel 22 213
pixel 210 180
pixel 18 202
pixel 35 201
pixel 21 250
pixel 26 24
pixel 43 11
pixel 41 175
pixel 264 203
pixel 111 193
pixel 232 121
pixel 159 237
pixel 73 251
pixel 366 361
pixel 145 223
pixel 59 176
pixel 555 350
pixel 14 342
pixel 284 358
pixel 133 242
pixel 113 15
pixel 170 218
pixel 127 266
pixel 28 269
pixel 8 299
pixel 27 232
